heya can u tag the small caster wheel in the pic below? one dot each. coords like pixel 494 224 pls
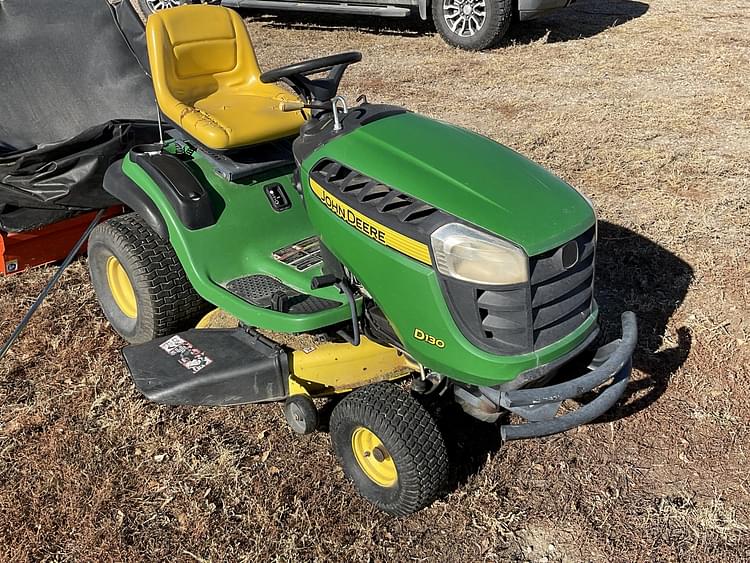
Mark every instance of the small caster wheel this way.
pixel 301 414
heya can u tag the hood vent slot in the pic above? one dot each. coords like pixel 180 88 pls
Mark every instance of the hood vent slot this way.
pixel 379 201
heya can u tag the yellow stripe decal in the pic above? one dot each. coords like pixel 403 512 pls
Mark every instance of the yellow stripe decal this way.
pixel 373 229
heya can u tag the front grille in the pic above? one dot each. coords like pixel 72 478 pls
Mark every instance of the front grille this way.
pixel 526 317
pixel 495 319
pixel 561 299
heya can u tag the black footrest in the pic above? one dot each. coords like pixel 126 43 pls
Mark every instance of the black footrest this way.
pixel 269 293
pixel 209 367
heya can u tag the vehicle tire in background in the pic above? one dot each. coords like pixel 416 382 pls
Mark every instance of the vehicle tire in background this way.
pixel 151 6
pixel 390 447
pixel 472 24
pixel 139 281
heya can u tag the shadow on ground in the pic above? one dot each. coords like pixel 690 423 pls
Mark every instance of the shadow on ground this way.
pixel 635 274
pixel 584 19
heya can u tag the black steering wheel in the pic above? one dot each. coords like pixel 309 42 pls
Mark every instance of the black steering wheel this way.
pixel 319 90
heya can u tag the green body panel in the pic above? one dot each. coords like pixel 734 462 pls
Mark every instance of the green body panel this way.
pixel 409 294
pixel 472 178
pixel 455 170
pixel 465 174
pixel 241 243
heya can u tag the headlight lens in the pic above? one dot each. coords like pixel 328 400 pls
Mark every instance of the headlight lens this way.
pixel 471 255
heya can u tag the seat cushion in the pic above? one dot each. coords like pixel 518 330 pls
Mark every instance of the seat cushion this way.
pixel 229 119
pixel 207 80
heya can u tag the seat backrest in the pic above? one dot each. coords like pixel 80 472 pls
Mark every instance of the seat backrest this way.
pixel 196 49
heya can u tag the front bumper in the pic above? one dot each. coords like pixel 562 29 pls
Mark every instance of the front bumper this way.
pixel 539 405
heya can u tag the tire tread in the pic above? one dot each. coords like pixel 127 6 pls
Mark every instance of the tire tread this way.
pixel 498 25
pixel 412 436
pixel 157 277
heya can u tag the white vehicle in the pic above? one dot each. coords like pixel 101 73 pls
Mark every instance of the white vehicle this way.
pixel 469 24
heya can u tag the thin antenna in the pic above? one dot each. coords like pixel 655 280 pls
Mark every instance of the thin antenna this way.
pixel 161 128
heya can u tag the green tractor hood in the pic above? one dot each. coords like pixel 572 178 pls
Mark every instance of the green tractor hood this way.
pixel 467 175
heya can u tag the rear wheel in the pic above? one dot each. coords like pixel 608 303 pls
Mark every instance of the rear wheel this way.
pixel 472 24
pixel 140 284
pixel 390 447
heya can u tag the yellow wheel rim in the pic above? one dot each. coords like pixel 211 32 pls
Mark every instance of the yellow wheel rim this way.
pixel 121 288
pixel 373 458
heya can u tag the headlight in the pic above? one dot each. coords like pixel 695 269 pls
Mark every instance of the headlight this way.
pixel 471 255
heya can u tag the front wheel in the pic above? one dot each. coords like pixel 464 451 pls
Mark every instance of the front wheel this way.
pixel 390 447
pixel 472 24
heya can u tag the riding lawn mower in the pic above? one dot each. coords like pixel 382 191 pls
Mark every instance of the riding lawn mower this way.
pixel 422 261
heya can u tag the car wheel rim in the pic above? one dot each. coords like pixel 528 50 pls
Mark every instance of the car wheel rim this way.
pixel 121 288
pixel 156 5
pixel 464 17
pixel 373 458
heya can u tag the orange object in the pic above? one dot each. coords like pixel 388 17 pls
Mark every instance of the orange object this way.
pixel 51 243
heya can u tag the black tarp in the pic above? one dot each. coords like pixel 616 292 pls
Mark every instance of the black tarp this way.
pixel 73 99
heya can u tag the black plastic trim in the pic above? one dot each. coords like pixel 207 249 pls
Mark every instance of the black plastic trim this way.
pixel 277 197
pixel 238 163
pixel 187 196
pixel 377 327
pixel 129 193
pixel 562 297
pixel 462 299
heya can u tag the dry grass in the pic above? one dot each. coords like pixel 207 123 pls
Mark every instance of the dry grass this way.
pixel 646 109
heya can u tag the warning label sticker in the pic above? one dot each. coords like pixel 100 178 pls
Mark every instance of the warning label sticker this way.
pixel 189 357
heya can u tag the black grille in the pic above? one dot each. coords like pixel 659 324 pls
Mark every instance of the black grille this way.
pixel 505 318
pixel 495 319
pixel 523 318
pixel 561 299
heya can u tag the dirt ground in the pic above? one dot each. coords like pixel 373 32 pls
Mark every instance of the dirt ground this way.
pixel 645 108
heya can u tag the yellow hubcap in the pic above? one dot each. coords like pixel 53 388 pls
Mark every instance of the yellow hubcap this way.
pixel 373 458
pixel 121 288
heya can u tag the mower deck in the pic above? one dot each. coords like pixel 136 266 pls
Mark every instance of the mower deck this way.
pixel 217 366
pixel 209 367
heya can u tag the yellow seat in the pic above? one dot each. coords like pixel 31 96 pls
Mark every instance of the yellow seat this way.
pixel 207 79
